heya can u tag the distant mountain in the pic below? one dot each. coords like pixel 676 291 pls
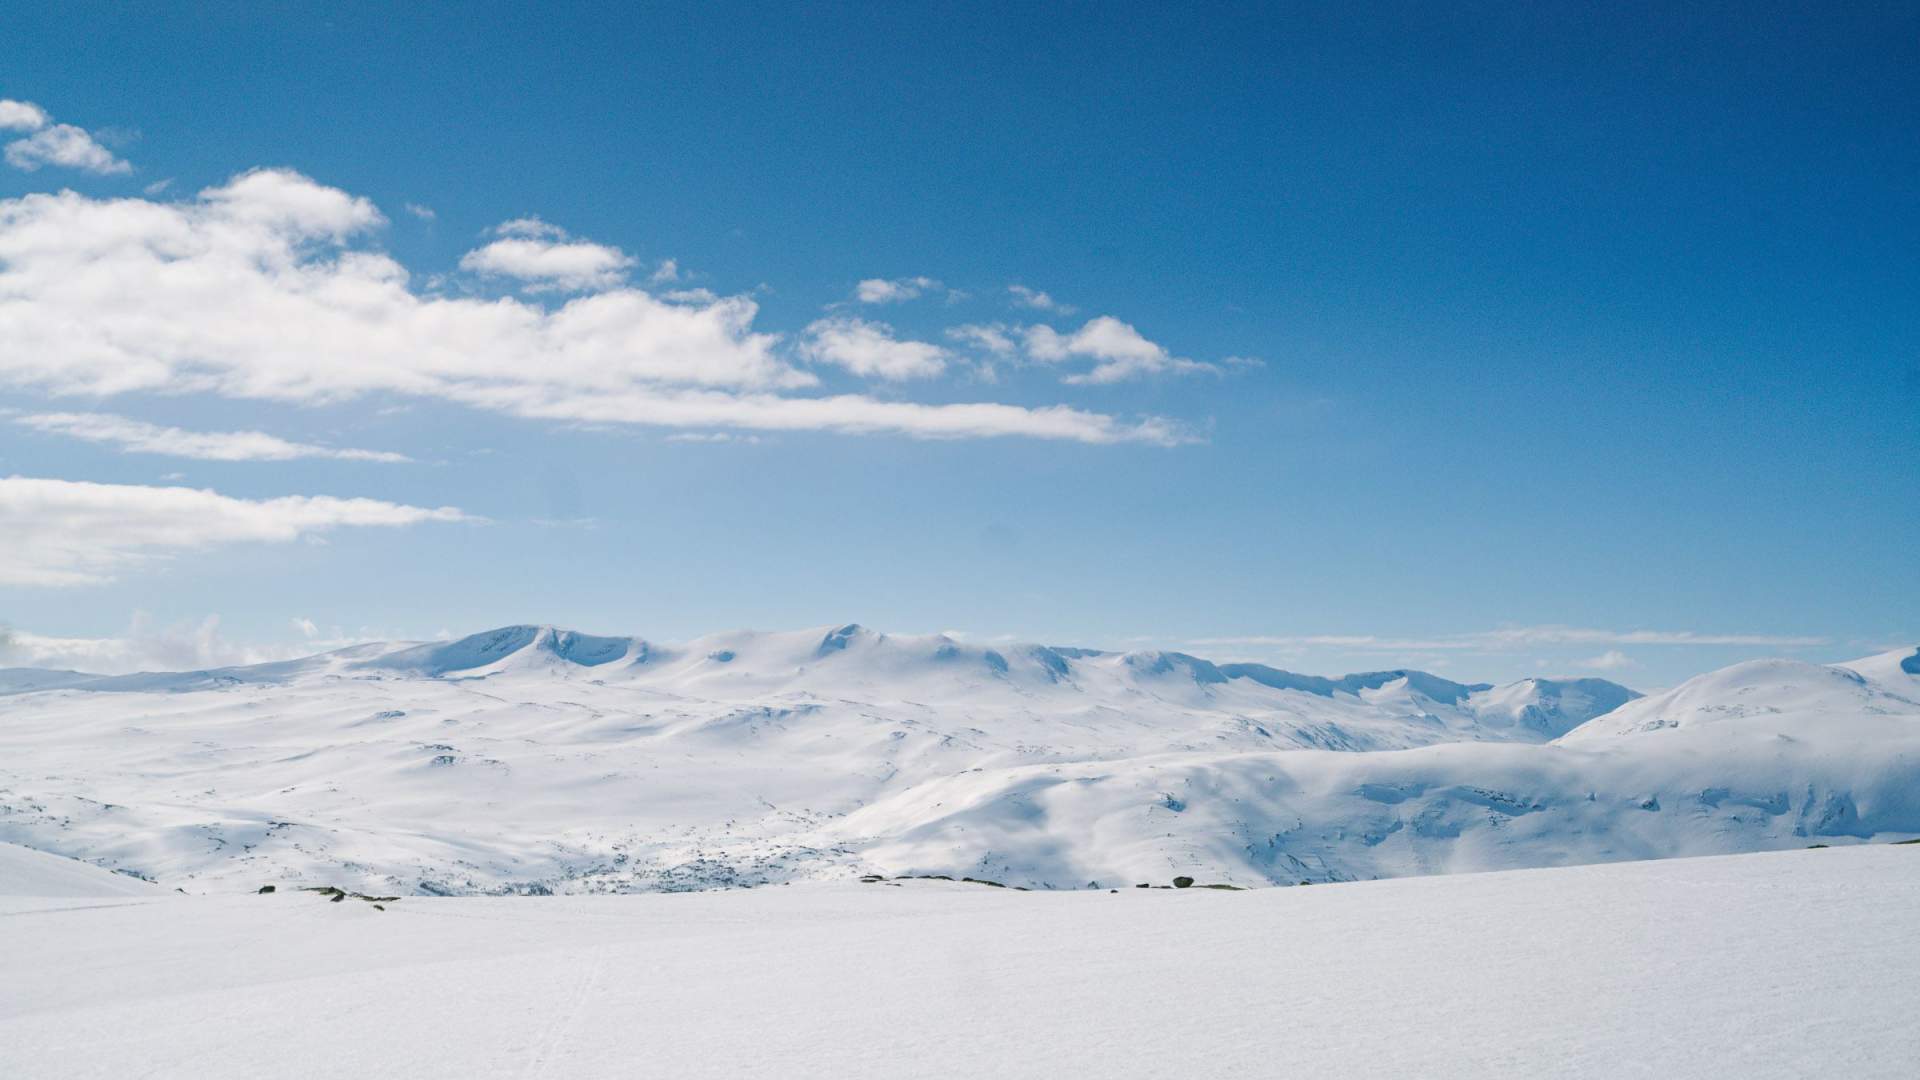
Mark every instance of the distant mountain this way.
pixel 1373 710
pixel 536 758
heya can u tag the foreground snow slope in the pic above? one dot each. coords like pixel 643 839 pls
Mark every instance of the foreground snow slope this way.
pixel 534 759
pixel 1789 964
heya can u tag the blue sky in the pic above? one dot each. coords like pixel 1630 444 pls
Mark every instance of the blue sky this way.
pixel 1521 341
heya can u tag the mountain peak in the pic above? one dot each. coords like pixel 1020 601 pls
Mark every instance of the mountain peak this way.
pixel 491 647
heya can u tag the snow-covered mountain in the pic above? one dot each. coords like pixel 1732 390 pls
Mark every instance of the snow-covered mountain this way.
pixel 534 758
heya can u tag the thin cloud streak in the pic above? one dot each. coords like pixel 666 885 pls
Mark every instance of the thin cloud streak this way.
pixel 139 437
pixel 64 533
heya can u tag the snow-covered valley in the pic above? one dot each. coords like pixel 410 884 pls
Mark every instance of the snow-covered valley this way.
pixel 530 759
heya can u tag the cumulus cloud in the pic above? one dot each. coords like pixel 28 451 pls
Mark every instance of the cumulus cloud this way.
pixel 22 116
pixel 1121 351
pixel 48 143
pixel 263 288
pixel 544 257
pixel 870 349
pixel 424 213
pixel 892 291
pixel 143 438
pixel 69 532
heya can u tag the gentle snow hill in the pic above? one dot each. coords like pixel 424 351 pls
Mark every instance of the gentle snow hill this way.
pixel 1782 965
pixel 532 759
pixel 26 872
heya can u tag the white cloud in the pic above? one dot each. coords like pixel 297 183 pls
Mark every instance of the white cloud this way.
pixel 870 349
pixel 1516 637
pixel 712 437
pixel 1123 352
pixel 1037 300
pixel 53 144
pixel 424 213
pixel 22 116
pixel 543 256
pixel 892 291
pixel 530 225
pixel 668 271
pixel 183 646
pixel 143 438
pixel 261 289
pixel 158 186
pixel 995 338
pixel 69 532
pixel 66 146
pixel 1611 660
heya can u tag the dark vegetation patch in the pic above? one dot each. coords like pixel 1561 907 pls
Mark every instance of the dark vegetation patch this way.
pixel 336 894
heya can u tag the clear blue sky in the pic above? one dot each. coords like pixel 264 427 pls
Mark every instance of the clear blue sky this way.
pixel 1606 320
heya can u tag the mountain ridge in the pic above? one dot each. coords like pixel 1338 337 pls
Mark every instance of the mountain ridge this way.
pixel 533 758
pixel 488 648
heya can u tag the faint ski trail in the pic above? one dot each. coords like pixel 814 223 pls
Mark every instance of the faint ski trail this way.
pixel 64 910
pixel 566 1019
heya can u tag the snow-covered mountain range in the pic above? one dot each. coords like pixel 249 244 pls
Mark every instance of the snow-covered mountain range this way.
pixel 532 759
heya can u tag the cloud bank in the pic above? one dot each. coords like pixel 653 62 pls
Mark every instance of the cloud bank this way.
pixel 265 288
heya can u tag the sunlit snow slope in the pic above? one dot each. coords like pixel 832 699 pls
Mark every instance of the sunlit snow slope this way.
pixel 1780 965
pixel 532 759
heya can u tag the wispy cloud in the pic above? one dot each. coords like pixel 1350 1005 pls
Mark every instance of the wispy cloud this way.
pixel 1510 638
pixel 68 532
pixel 893 290
pixel 136 436
pixel 192 645
pixel 48 143
pixel 1034 299
pixel 994 338
pixel 1611 660
pixel 711 437
pixel 268 291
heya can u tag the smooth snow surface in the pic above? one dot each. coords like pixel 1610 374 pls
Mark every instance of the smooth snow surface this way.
pixel 1801 964
pixel 531 759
